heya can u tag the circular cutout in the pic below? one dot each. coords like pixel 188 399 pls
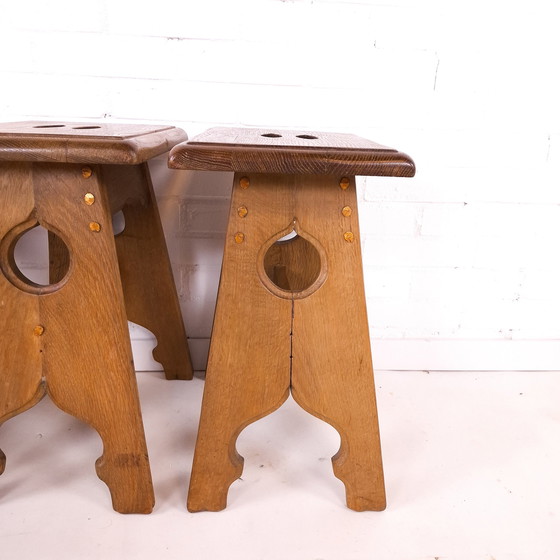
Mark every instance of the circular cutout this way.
pixel 292 264
pixel 85 127
pixel 50 126
pixel 34 259
pixel 272 135
pixel 307 137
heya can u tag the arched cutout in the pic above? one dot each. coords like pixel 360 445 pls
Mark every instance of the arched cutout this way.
pixel 301 443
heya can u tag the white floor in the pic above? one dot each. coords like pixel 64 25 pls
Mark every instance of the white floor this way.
pixel 472 462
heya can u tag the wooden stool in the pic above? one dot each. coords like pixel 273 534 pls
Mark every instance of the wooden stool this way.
pixel 291 313
pixel 69 338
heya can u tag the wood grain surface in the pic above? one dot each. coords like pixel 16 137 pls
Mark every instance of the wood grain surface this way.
pixel 269 151
pixel 85 142
pixel 291 312
pixel 69 338
pixel 72 337
pixel 290 316
pixel 145 269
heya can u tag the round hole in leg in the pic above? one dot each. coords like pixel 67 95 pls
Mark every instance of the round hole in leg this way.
pixel 307 137
pixel 34 259
pixel 272 135
pixel 293 265
pixel 85 127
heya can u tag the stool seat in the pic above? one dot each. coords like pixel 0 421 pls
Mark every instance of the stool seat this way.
pixel 68 337
pixel 86 142
pixel 291 313
pixel 288 151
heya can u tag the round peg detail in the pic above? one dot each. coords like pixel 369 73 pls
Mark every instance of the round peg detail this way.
pixel 89 198
pixel 344 183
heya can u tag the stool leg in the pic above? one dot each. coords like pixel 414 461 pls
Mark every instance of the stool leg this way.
pixel 87 358
pixel 332 375
pixel 20 348
pixel 149 289
pixel 20 356
pixel 240 389
pixel 321 325
pixel 248 373
pixel 339 389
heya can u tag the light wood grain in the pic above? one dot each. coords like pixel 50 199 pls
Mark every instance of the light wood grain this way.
pixel 70 337
pixel 149 288
pixel 264 345
pixel 291 314
pixel 20 351
pixel 82 356
pixel 243 384
pixel 332 372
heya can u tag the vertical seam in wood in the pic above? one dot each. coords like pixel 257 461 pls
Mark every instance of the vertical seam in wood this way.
pixel 292 342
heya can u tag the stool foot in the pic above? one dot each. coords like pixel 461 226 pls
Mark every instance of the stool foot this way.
pixel 144 263
pixel 360 496
pixel 358 461
pixel 340 390
pixel 217 464
pixel 208 491
pixel 124 465
pixel 127 476
pixel 99 388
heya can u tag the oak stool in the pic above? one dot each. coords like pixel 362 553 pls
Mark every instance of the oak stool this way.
pixel 291 313
pixel 68 337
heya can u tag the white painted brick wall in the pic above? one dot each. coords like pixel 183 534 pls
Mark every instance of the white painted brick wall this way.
pixel 460 263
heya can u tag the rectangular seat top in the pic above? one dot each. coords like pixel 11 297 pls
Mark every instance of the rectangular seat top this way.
pixel 91 143
pixel 288 151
